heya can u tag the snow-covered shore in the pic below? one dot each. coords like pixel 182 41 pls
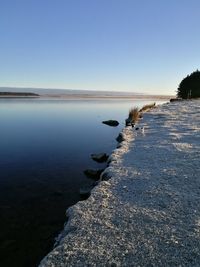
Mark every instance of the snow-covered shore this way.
pixel 148 213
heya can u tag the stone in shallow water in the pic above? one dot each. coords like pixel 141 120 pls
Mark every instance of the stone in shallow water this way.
pixel 120 138
pixel 93 174
pixel 101 157
pixel 113 123
pixel 128 122
pixel 85 190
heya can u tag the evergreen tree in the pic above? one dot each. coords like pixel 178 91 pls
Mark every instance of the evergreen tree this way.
pixel 190 86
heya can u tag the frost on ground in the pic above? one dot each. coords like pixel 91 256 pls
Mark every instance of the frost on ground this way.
pixel 148 213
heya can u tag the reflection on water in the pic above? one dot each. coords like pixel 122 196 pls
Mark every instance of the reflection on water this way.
pixel 44 148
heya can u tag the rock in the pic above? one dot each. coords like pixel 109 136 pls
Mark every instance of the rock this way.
pixel 105 177
pixel 119 146
pixel 93 174
pixel 85 190
pixel 101 157
pixel 128 122
pixel 109 161
pixel 113 123
pixel 120 138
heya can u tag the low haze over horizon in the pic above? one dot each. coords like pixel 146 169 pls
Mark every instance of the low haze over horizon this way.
pixel 109 45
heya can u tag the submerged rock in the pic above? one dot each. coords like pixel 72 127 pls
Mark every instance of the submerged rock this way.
pixel 113 123
pixel 86 190
pixel 101 157
pixel 93 174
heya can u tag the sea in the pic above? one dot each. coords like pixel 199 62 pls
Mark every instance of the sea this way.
pixel 45 146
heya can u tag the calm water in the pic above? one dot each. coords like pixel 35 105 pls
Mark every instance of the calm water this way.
pixel 45 146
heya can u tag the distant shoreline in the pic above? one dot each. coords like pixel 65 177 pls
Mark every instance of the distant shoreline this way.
pixel 91 96
pixel 84 97
pixel 18 95
pixel 72 94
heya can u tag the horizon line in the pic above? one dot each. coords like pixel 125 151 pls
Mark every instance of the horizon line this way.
pixel 91 90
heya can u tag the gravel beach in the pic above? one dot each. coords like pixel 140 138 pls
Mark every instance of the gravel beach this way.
pixel 148 213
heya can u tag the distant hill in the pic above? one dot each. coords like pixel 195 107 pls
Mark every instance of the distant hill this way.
pixel 18 94
pixel 79 93
pixel 46 91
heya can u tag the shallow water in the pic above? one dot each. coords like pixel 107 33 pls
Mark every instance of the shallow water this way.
pixel 45 146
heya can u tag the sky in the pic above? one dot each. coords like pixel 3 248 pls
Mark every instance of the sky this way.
pixel 117 45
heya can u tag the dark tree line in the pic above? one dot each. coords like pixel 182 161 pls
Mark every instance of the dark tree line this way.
pixel 190 86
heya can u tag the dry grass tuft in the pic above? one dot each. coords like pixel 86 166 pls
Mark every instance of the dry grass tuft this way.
pixel 134 115
pixel 147 107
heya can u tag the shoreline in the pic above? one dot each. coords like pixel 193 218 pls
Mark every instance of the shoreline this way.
pixel 90 97
pixel 72 212
pixel 18 97
pixel 134 213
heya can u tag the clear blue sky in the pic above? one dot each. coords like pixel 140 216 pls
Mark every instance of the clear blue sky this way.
pixel 123 45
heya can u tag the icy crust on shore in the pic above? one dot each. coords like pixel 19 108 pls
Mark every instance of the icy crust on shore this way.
pixel 148 213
